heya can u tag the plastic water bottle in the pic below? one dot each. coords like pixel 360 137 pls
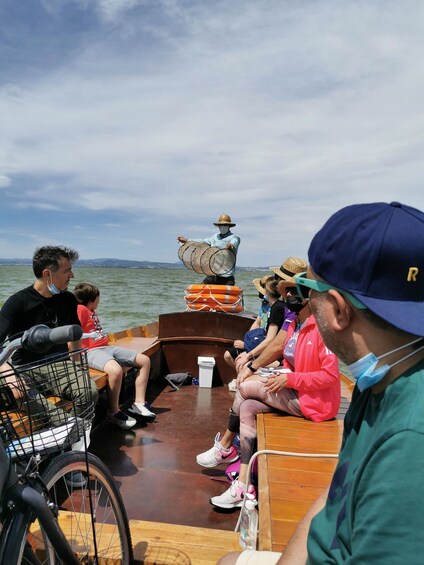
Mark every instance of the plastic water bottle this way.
pixel 249 523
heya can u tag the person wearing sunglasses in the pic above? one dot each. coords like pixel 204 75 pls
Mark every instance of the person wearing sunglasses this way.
pixel 365 286
pixel 271 354
pixel 307 386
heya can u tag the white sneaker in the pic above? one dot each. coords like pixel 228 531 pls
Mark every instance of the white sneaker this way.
pixel 217 454
pixel 142 412
pixel 232 386
pixel 232 497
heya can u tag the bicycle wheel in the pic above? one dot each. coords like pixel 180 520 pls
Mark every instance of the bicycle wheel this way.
pixel 107 536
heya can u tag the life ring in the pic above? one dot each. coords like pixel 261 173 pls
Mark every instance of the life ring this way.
pixel 212 298
pixel 234 308
pixel 213 288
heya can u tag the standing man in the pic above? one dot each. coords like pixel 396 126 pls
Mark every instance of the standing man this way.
pixel 225 239
pixel 47 302
pixel 366 289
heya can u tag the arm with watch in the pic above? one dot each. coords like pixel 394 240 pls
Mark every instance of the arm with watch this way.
pixel 272 352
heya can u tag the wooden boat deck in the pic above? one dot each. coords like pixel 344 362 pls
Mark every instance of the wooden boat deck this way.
pixel 155 465
pixel 166 493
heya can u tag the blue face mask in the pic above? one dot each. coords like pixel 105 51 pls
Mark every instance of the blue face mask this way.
pixel 52 287
pixel 366 374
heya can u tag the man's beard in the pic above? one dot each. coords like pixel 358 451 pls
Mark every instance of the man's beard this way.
pixel 329 337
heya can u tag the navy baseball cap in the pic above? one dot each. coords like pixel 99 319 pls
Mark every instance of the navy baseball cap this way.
pixel 376 252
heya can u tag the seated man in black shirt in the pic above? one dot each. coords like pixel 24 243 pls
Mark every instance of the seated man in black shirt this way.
pixel 48 302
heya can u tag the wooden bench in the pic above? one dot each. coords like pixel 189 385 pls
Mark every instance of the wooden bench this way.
pixel 154 543
pixel 187 545
pixel 289 485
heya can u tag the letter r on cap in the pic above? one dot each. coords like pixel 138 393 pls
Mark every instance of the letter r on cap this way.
pixel 412 274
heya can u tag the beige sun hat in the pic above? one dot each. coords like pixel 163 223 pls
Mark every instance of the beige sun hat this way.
pixel 259 284
pixel 290 267
pixel 224 220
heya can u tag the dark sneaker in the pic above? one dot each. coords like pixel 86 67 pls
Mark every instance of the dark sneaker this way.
pixel 121 420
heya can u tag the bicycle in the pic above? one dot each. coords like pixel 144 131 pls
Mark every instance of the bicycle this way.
pixel 46 518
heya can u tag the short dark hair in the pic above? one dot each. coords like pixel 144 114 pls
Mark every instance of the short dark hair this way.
pixel 48 257
pixel 86 292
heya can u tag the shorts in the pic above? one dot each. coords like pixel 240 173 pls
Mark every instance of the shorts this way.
pixel 252 557
pixel 234 352
pixel 99 356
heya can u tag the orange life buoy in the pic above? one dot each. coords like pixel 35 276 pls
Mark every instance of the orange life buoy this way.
pixel 212 298
pixel 235 308
pixel 213 288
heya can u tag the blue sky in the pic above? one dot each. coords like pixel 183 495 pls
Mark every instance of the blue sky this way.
pixel 125 123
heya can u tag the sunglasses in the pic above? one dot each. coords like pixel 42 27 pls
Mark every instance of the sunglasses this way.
pixel 304 286
pixel 292 290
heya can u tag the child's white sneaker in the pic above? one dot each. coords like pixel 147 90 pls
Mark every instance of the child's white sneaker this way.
pixel 142 411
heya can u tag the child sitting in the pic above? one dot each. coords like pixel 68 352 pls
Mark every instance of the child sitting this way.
pixel 113 360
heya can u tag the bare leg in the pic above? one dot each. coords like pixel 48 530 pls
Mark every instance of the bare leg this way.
pixel 227 439
pixel 142 362
pixel 114 381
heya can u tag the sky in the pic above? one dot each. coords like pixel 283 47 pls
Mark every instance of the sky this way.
pixel 125 123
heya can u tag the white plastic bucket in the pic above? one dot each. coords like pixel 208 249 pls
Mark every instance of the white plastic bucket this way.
pixel 206 365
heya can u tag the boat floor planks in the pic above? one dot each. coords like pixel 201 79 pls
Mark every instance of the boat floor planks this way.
pixel 155 465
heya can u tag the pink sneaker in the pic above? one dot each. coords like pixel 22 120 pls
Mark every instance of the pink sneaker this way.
pixel 232 497
pixel 217 455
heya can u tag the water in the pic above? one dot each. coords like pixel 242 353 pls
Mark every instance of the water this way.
pixel 131 297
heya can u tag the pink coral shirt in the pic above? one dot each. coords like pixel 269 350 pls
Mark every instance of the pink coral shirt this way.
pixel 315 375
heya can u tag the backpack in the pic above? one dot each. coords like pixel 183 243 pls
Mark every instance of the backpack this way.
pixel 252 338
pixel 177 380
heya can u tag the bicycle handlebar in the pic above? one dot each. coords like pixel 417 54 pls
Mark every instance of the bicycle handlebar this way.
pixel 41 338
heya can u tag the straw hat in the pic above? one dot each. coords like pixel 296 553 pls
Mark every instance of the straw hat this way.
pixel 259 284
pixel 291 266
pixel 224 220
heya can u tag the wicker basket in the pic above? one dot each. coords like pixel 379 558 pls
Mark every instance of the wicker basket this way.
pixel 45 407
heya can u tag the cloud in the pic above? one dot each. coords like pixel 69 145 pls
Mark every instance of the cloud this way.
pixel 169 113
pixel 4 181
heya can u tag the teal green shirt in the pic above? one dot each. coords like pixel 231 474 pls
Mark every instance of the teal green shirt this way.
pixel 375 508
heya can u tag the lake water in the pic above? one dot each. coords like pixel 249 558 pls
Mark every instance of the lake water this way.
pixel 132 297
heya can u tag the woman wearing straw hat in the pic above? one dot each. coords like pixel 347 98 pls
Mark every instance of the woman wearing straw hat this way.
pixel 306 385
pixel 225 239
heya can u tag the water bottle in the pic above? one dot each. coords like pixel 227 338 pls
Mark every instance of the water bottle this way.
pixel 249 523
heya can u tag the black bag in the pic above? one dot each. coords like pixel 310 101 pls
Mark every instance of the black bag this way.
pixel 252 338
pixel 177 380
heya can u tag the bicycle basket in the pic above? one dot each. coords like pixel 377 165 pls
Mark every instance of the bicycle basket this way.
pixel 45 407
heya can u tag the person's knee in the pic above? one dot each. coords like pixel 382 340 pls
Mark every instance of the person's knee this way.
pixel 228 358
pixel 142 361
pixel 114 370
